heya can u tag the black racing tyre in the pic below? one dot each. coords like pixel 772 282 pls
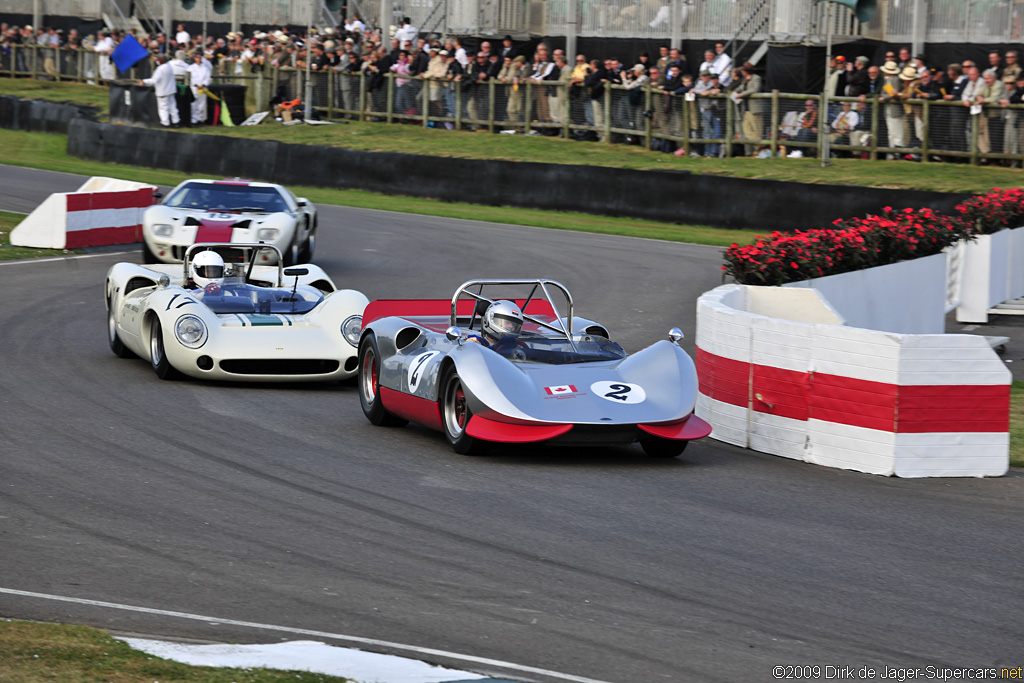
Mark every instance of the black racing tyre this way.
pixel 116 345
pixel 157 357
pixel 662 448
pixel 369 386
pixel 310 247
pixel 147 254
pixel 455 415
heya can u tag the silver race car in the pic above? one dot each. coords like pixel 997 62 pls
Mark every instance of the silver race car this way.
pixel 561 380
pixel 229 211
pixel 255 324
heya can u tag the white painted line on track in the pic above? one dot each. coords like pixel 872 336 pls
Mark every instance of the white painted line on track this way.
pixel 301 631
pixel 63 258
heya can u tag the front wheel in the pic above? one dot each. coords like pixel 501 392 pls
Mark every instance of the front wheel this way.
pixel 455 415
pixel 662 448
pixel 310 248
pixel 369 385
pixel 157 357
pixel 147 254
pixel 116 345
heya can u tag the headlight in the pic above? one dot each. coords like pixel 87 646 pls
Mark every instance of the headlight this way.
pixel 267 234
pixel 351 328
pixel 162 229
pixel 190 331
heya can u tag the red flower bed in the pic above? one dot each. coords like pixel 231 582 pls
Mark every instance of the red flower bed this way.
pixel 851 245
pixel 994 211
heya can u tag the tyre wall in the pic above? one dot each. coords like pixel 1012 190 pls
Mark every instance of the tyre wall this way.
pixel 664 196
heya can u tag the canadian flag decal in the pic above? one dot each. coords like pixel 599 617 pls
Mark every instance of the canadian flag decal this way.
pixel 563 389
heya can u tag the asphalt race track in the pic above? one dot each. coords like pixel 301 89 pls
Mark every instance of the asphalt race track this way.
pixel 282 505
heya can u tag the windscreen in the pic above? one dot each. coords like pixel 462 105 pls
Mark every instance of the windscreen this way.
pixel 235 296
pixel 227 198
pixel 560 351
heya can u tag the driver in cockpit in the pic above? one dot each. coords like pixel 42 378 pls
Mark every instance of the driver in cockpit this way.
pixel 208 272
pixel 502 322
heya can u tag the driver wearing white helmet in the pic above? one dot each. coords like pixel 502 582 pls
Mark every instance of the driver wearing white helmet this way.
pixel 501 324
pixel 207 271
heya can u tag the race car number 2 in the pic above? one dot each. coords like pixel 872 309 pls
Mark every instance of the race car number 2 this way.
pixel 619 392
pixel 415 369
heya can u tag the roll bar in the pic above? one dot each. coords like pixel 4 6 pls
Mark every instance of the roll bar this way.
pixel 542 284
pixel 255 247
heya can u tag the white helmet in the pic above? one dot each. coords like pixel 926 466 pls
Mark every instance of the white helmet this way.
pixel 502 319
pixel 207 267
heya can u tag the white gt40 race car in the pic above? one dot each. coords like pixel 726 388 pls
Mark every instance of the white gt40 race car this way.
pixel 255 324
pixel 204 211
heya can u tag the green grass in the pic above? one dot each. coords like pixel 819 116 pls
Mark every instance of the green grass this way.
pixel 1017 424
pixel 36 652
pixel 78 93
pixel 48 152
pixel 415 139
pixel 8 253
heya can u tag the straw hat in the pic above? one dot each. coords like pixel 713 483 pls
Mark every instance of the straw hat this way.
pixel 891 68
pixel 909 73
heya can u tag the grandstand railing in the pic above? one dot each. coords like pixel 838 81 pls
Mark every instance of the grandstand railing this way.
pixel 718 126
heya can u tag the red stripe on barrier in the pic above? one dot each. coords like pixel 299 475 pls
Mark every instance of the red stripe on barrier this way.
pixel 123 199
pixel 906 409
pixel 98 237
pixel 723 379
pixel 781 392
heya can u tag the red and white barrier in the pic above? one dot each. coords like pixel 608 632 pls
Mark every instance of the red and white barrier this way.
pixel 103 211
pixel 781 374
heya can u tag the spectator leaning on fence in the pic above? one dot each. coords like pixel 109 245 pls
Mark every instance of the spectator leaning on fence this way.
pixel 752 109
pixel 892 105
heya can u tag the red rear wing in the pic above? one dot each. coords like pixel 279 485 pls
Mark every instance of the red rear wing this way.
pixel 432 308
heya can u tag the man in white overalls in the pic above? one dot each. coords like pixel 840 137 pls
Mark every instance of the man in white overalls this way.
pixel 165 88
pixel 200 74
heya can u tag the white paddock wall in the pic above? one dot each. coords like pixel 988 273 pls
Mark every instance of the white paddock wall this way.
pixel 993 272
pixel 908 297
pixel 780 373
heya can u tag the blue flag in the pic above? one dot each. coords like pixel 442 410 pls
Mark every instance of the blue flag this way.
pixel 129 53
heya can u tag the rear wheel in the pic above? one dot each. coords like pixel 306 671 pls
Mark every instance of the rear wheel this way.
pixel 455 415
pixel 157 357
pixel 116 345
pixel 369 386
pixel 662 448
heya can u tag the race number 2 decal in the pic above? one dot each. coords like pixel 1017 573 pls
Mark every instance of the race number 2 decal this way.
pixel 416 368
pixel 619 392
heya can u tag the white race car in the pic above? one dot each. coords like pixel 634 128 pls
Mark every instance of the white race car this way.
pixel 260 324
pixel 198 211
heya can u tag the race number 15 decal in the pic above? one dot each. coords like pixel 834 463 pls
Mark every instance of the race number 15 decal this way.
pixel 416 368
pixel 619 392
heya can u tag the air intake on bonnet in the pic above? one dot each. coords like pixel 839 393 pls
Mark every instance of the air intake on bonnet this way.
pixel 272 366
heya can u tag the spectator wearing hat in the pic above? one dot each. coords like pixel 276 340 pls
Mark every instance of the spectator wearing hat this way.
pixel 893 104
pixel 708 85
pixel 837 76
pixel 507 48
pixel 1013 134
pixel 453 77
pixel 200 75
pixel 435 72
pixel 635 84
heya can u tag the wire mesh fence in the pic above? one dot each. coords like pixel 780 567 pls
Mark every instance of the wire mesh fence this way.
pixel 692 123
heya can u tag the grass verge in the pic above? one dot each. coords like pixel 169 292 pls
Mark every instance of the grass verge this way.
pixel 415 139
pixel 64 91
pixel 36 652
pixel 1017 424
pixel 49 152
pixel 9 253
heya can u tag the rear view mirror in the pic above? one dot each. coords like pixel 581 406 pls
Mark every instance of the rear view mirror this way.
pixel 296 272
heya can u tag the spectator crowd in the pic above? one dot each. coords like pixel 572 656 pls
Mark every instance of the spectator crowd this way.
pixel 456 73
